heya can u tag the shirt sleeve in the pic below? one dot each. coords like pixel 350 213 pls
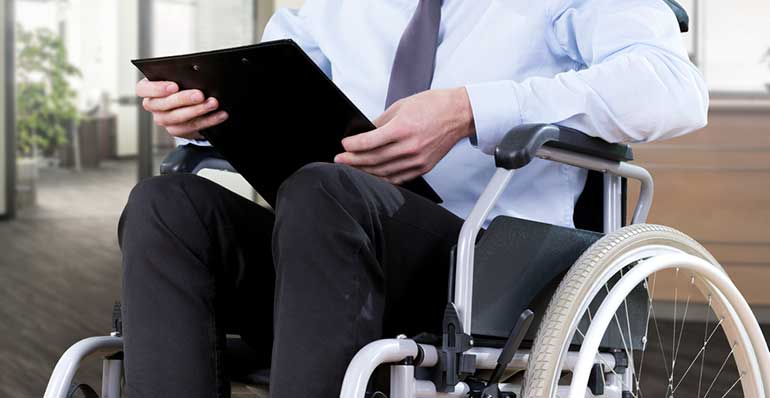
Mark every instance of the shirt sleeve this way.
pixel 299 26
pixel 632 82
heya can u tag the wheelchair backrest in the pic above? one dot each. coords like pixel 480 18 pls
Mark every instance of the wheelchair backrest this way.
pixel 589 209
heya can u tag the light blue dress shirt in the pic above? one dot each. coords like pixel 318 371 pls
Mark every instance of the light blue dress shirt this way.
pixel 616 69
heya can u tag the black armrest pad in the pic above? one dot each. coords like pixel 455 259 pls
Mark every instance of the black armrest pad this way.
pixel 520 145
pixel 191 158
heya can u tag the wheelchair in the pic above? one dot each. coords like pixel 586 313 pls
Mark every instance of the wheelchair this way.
pixel 536 310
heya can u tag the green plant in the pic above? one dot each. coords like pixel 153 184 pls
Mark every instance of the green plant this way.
pixel 45 100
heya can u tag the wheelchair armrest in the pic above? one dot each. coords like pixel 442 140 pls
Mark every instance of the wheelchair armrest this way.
pixel 520 145
pixel 193 158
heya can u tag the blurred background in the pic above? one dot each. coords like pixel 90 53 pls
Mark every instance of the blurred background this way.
pixel 73 142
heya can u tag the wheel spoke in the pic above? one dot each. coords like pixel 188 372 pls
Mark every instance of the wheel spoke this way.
pixel 617 323
pixel 620 332
pixel 701 351
pixel 676 340
pixel 604 379
pixel 593 281
pixel 630 343
pixel 721 368
pixel 641 364
pixel 673 336
pixel 733 385
pixel 705 334
pixel 684 320
pixel 647 321
pixel 660 339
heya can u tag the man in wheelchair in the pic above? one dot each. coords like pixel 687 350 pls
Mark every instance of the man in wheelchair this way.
pixel 348 257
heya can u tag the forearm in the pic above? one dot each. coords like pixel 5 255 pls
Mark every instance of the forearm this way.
pixel 640 95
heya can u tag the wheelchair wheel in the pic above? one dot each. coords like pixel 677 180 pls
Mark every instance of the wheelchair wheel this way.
pixel 699 337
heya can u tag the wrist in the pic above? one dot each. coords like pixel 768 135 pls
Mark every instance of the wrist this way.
pixel 464 113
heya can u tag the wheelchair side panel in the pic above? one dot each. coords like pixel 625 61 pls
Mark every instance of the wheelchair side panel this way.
pixel 519 264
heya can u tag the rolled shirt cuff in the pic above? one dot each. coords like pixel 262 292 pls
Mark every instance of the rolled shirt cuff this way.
pixel 496 110
pixel 185 141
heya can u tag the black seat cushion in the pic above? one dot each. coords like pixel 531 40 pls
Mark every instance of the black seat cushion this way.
pixel 516 260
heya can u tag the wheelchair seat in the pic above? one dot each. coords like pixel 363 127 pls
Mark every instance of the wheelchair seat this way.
pixel 519 264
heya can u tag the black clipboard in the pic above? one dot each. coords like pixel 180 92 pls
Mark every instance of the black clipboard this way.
pixel 299 116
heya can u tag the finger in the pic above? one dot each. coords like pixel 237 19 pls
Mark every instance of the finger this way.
pixel 149 89
pixel 374 157
pixel 185 114
pixel 178 100
pixel 193 127
pixel 405 176
pixel 371 140
pixel 392 168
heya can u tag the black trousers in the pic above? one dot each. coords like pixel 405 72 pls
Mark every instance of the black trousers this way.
pixel 345 259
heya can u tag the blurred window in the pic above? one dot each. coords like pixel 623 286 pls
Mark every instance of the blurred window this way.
pixel 185 26
pixel 182 26
pixel 730 42
pixel 736 38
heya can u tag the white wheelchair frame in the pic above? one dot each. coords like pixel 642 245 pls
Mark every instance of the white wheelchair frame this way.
pixel 400 352
pixel 403 383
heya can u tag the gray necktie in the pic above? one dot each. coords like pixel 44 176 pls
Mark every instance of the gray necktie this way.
pixel 416 55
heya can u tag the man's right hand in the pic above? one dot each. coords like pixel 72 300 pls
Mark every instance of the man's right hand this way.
pixel 183 113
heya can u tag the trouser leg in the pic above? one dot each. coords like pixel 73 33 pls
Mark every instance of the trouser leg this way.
pixel 196 263
pixel 357 259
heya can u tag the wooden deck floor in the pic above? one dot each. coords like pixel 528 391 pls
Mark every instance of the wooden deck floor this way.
pixel 59 273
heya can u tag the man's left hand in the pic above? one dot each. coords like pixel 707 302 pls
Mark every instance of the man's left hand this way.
pixel 412 136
